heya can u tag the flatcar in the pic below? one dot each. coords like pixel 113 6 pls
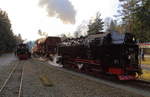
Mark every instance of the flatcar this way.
pixel 112 54
pixel 22 52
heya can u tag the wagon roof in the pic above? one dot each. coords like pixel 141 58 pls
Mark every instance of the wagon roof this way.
pixel 98 35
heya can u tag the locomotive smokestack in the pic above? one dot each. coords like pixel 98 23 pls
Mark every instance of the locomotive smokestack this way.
pixel 62 9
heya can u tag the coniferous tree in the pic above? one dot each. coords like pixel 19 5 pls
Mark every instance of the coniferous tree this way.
pixel 136 16
pixel 96 25
pixel 7 39
pixel 142 26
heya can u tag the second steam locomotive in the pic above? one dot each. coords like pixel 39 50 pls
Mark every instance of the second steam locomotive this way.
pixel 112 53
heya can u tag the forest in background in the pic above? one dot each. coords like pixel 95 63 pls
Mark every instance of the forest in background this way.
pixel 8 40
pixel 133 17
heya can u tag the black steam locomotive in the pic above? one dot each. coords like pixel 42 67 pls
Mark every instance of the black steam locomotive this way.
pixel 22 52
pixel 104 53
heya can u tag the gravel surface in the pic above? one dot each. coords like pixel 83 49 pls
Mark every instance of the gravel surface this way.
pixel 63 84
pixel 7 61
pixel 74 86
pixel 12 87
pixel 4 72
pixel 32 86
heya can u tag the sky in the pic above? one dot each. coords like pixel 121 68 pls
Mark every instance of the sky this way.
pixel 54 16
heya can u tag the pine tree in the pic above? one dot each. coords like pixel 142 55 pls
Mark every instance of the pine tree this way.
pixel 96 25
pixel 7 40
pixel 136 16
pixel 142 26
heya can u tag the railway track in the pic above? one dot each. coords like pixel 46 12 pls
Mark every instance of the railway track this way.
pixel 140 84
pixel 12 87
pixel 140 87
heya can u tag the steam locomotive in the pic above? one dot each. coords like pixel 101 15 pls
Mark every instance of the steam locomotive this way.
pixel 112 54
pixel 22 52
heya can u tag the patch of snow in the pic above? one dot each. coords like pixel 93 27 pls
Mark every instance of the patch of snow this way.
pixel 54 62
pixel 42 59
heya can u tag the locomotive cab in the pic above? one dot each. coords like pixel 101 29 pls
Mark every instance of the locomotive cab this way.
pixel 121 56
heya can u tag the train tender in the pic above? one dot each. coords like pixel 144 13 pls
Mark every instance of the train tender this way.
pixel 22 52
pixel 112 54
pixel 46 46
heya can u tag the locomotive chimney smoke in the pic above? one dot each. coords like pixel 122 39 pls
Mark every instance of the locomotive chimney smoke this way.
pixel 62 9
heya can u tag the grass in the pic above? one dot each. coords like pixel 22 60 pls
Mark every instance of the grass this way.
pixel 145 75
pixel 146 61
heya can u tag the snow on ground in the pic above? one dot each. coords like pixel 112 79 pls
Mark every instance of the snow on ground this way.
pixel 54 62
pixel 5 59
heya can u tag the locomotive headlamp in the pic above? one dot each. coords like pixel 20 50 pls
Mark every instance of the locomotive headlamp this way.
pixel 133 39
pixel 129 57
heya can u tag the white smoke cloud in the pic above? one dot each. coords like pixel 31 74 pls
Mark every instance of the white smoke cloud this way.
pixel 62 9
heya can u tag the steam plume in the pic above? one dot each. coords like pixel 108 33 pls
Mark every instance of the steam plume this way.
pixel 62 9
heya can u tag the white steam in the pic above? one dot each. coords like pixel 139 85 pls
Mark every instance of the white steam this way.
pixel 62 9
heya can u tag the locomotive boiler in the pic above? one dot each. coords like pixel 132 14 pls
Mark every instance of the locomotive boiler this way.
pixel 114 54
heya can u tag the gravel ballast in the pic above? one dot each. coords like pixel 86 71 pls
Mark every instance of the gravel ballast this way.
pixel 69 85
pixel 59 83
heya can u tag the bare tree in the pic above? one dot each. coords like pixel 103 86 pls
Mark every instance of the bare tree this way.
pixel 42 33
